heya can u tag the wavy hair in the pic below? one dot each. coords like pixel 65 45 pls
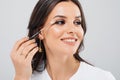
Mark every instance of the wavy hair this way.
pixel 38 18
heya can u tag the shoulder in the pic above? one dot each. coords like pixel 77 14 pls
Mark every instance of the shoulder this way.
pixel 87 72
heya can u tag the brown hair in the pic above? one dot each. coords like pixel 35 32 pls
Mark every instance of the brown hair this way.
pixel 37 20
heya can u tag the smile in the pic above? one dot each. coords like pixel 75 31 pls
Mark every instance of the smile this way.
pixel 69 40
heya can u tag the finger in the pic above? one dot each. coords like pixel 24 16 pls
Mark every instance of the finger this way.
pixel 31 54
pixel 20 42
pixel 28 49
pixel 24 45
pixel 16 46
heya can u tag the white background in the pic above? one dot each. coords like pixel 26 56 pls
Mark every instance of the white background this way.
pixel 102 41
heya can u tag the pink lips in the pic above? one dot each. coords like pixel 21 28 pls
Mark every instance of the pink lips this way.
pixel 69 40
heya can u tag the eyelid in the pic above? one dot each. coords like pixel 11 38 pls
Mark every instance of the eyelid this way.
pixel 62 22
pixel 58 21
pixel 77 20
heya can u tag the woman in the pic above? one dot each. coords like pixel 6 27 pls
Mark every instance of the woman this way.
pixel 51 50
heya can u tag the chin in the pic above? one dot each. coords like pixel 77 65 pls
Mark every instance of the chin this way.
pixel 69 51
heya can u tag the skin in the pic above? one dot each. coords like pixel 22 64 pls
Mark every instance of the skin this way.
pixel 61 41
pixel 21 55
pixel 56 38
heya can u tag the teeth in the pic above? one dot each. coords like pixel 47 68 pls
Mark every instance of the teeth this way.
pixel 69 40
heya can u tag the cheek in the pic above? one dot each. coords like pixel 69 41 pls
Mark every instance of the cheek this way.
pixel 80 34
pixel 54 32
pixel 52 37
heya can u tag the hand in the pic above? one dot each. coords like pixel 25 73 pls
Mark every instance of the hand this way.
pixel 21 55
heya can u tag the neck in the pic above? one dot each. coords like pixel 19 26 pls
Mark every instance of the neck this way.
pixel 61 67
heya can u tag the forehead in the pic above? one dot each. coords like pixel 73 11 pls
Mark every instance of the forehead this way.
pixel 66 8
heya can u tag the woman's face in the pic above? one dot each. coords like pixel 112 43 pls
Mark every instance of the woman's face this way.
pixel 63 32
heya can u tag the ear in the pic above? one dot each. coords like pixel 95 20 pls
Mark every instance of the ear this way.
pixel 41 36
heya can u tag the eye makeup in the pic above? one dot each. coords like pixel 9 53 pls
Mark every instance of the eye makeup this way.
pixel 59 22
pixel 77 22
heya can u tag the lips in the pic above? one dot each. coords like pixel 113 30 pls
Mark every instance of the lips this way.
pixel 69 40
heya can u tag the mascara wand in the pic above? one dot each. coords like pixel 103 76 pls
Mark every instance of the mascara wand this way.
pixel 32 37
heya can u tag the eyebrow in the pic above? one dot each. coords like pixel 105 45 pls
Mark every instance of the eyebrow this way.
pixel 78 17
pixel 61 16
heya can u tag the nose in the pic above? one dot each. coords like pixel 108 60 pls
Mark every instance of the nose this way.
pixel 71 29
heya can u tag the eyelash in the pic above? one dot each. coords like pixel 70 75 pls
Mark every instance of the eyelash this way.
pixel 77 22
pixel 62 22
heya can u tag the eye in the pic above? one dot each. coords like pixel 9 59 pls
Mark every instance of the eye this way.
pixel 60 22
pixel 77 22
